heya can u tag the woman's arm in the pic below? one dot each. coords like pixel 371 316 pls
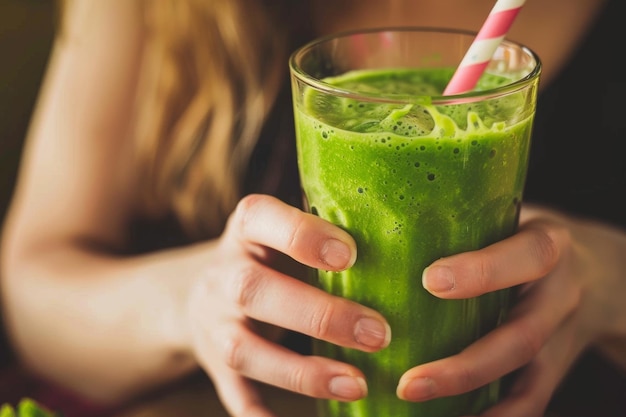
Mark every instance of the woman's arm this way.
pixel 111 326
pixel 67 299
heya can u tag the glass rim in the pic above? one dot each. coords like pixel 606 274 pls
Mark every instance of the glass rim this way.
pixel 318 84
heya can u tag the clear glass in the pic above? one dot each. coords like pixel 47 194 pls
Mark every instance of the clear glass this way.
pixel 413 176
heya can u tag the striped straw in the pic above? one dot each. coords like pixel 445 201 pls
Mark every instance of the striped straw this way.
pixel 487 40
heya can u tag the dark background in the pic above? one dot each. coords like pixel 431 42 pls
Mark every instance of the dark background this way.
pixel 578 160
pixel 26 31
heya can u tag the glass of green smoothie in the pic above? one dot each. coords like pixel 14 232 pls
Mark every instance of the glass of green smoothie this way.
pixel 413 176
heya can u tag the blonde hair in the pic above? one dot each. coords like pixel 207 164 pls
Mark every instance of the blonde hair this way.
pixel 211 73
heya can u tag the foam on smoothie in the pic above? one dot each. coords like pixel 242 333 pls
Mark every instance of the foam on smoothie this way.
pixel 417 118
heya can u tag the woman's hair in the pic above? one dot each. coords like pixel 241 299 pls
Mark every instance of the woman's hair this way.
pixel 211 71
pixel 210 74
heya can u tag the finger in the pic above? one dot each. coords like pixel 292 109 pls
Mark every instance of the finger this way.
pixel 271 297
pixel 245 353
pixel 531 402
pixel 239 395
pixel 526 256
pixel 508 347
pixel 535 384
pixel 265 220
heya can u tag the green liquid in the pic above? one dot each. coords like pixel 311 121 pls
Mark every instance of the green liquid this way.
pixel 412 183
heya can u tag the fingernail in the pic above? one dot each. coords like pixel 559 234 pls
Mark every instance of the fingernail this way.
pixel 372 333
pixel 438 279
pixel 419 389
pixel 336 254
pixel 348 387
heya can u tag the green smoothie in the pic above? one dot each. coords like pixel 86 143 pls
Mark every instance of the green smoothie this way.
pixel 412 181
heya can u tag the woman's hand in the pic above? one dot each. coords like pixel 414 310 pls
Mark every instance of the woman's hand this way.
pixel 572 277
pixel 240 287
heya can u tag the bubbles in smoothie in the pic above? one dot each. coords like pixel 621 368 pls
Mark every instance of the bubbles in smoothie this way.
pixel 410 120
pixel 397 228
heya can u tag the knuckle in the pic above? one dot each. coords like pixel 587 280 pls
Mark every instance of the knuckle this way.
pixel 549 241
pixel 321 320
pixel 485 273
pixel 234 356
pixel 246 210
pixel 530 341
pixel 545 248
pixel 246 286
pixel 295 379
pixel 293 233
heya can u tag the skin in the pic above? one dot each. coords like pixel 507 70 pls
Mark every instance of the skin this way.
pixel 563 21
pixel 571 272
pixel 151 319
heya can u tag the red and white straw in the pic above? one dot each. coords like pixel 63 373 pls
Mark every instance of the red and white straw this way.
pixel 487 40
